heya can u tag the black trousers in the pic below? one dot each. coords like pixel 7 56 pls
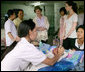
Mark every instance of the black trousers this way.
pixel 69 43
pixel 5 52
pixel 8 49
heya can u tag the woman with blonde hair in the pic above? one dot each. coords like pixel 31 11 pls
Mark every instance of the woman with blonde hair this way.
pixel 42 25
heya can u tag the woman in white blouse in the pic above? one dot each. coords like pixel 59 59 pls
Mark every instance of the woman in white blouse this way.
pixel 70 24
pixel 42 25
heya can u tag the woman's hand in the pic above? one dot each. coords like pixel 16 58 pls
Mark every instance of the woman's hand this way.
pixel 41 28
pixel 65 37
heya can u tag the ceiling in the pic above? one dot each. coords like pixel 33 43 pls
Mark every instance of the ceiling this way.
pixel 41 2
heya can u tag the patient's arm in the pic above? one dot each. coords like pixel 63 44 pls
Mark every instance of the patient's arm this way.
pixel 51 61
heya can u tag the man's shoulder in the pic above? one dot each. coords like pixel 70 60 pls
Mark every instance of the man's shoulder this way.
pixel 15 19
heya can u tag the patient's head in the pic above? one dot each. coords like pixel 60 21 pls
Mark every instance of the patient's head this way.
pixel 80 32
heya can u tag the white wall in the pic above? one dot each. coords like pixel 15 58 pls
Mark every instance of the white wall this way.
pixel 57 7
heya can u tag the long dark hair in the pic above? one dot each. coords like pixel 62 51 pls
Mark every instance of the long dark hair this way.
pixel 74 6
pixel 24 27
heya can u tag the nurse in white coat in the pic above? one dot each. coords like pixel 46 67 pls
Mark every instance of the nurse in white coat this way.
pixel 24 53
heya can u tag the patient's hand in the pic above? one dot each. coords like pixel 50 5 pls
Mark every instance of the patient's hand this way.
pixel 58 51
pixel 55 51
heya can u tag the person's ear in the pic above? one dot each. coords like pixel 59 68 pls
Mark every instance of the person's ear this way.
pixel 30 32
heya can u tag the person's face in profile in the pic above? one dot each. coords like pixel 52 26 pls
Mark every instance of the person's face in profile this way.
pixel 13 16
pixel 33 34
pixel 20 14
pixel 80 33
pixel 38 12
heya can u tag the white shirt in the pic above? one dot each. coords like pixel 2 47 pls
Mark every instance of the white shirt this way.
pixel 17 22
pixel 69 22
pixel 77 45
pixel 41 22
pixel 9 27
pixel 20 57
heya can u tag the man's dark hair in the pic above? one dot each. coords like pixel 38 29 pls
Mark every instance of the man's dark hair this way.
pixel 17 11
pixel 25 26
pixel 81 26
pixel 20 10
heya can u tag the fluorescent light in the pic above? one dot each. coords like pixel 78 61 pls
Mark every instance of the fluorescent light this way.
pixel 37 3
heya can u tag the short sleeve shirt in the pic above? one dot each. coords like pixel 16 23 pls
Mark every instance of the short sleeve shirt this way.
pixel 41 22
pixel 17 22
pixel 77 45
pixel 20 57
pixel 10 27
pixel 69 22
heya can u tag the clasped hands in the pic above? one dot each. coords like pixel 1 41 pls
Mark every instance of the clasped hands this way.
pixel 41 29
pixel 58 51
